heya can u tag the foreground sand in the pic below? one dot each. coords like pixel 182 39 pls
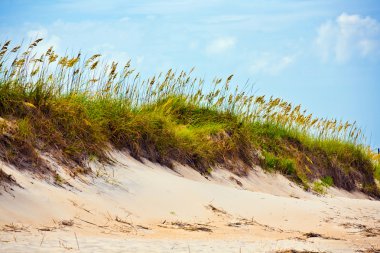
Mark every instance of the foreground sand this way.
pixel 134 207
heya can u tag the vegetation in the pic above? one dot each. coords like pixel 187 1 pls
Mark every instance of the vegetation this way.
pixel 77 107
pixel 327 181
pixel 321 185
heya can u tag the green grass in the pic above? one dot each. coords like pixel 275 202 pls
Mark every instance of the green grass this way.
pixel 284 165
pixel 78 107
pixel 319 188
pixel 327 181
pixel 377 172
pixel 321 185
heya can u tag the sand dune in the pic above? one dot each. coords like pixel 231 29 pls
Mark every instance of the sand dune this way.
pixel 143 207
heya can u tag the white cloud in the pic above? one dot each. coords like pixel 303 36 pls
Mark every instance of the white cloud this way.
pixel 347 37
pixel 140 59
pixel 157 7
pixel 37 33
pixel 125 19
pixel 220 45
pixel 194 44
pixel 89 6
pixel 271 64
pixel 48 40
pixel 227 19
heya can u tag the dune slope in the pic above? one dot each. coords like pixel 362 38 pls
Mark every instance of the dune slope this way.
pixel 131 206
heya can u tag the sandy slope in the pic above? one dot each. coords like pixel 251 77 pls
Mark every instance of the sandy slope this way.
pixel 135 207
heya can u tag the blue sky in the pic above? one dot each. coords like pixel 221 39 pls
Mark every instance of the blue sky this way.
pixel 323 54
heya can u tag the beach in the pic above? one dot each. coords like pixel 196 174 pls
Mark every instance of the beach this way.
pixel 133 206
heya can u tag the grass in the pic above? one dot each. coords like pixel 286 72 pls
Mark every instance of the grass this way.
pixel 327 181
pixel 58 179
pixel 321 185
pixel 319 188
pixel 78 108
pixel 377 172
pixel 284 165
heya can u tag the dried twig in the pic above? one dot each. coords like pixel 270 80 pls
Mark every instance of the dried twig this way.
pixel 76 238
pixel 42 240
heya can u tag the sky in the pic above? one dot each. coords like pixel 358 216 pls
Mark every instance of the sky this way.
pixel 322 54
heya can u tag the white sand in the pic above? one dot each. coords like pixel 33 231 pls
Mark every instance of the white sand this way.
pixel 112 211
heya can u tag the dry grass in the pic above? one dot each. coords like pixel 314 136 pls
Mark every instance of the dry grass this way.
pixel 297 251
pixel 193 227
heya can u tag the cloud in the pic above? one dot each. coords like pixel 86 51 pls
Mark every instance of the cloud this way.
pixel 347 37
pixel 220 45
pixel 48 39
pixel 140 59
pixel 227 19
pixel 88 6
pixel 194 44
pixel 146 7
pixel 125 19
pixel 271 64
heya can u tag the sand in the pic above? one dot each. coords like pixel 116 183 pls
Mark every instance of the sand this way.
pixel 144 207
